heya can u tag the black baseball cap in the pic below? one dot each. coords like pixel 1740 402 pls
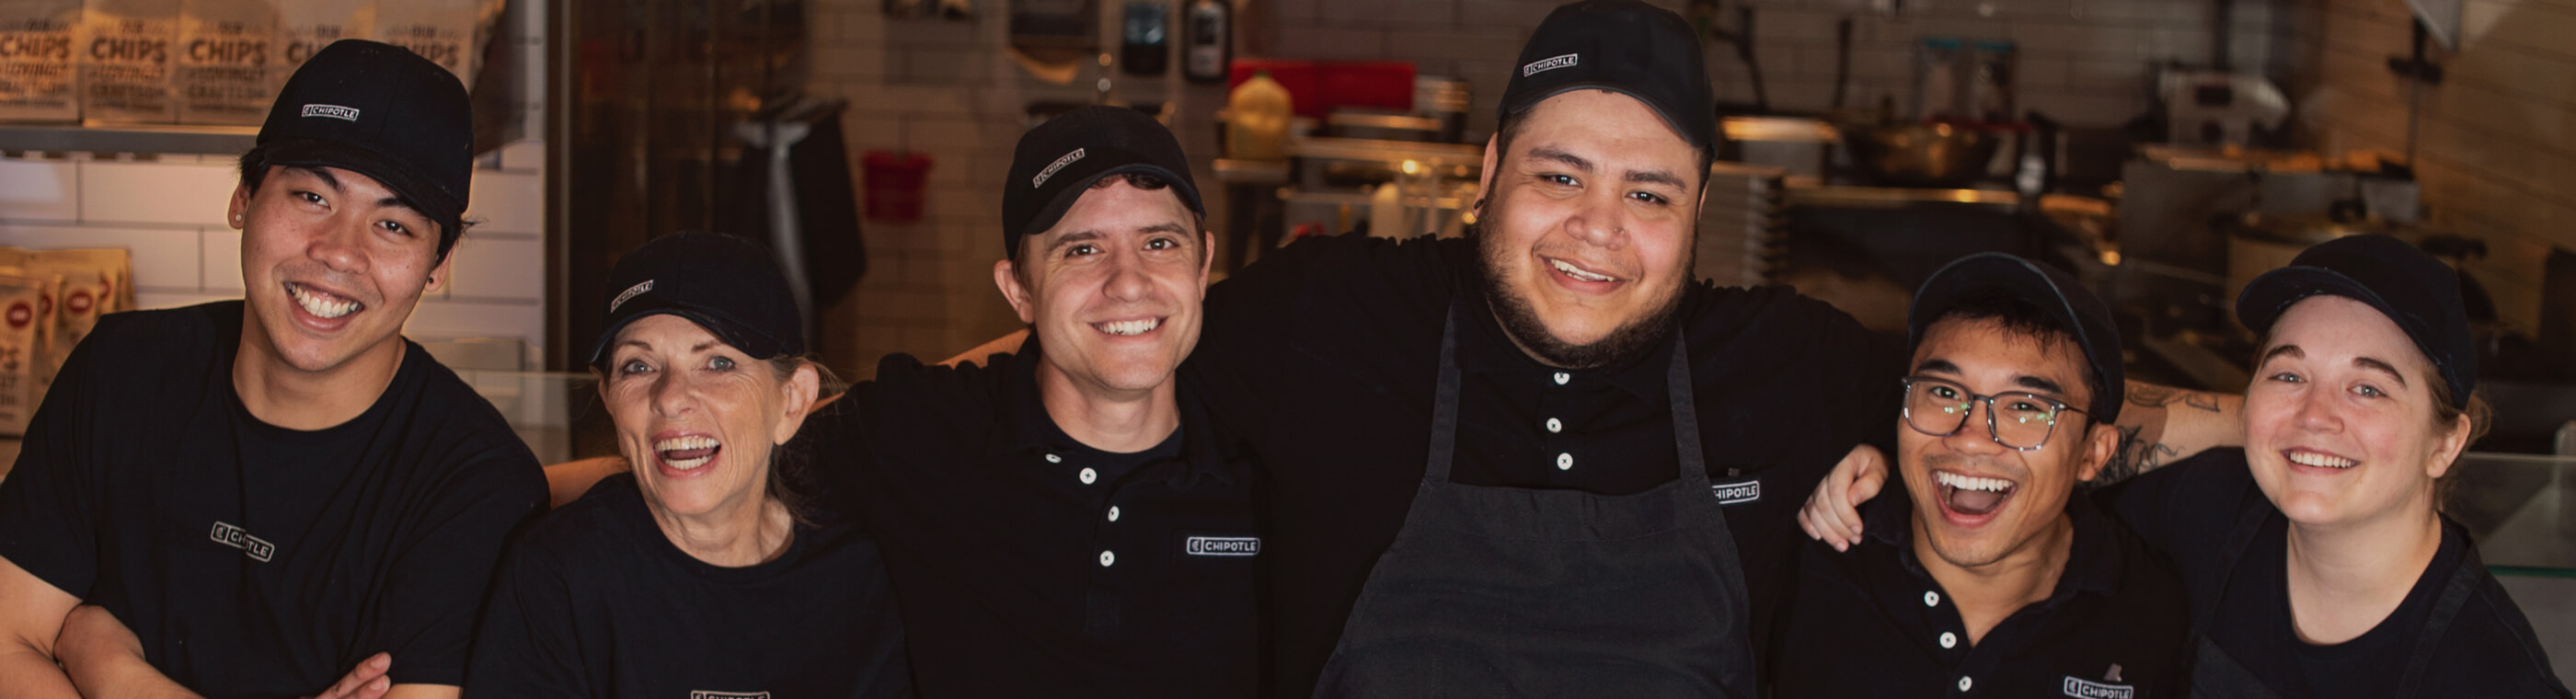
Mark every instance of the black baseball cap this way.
pixel 2412 288
pixel 2055 292
pixel 727 284
pixel 381 111
pixel 1060 159
pixel 1623 46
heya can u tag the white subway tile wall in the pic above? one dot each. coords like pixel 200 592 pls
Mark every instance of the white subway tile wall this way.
pixel 173 191
pixel 39 190
pixel 170 213
pixel 944 89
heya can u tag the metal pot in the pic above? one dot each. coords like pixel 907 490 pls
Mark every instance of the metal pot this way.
pixel 2258 243
pixel 1920 155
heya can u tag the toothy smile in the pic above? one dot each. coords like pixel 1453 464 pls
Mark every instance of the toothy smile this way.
pixel 1973 495
pixel 2319 460
pixel 1129 327
pixel 685 453
pixel 1578 273
pixel 322 304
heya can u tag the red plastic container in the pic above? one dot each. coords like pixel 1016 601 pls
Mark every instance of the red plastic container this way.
pixel 894 185
pixel 1317 88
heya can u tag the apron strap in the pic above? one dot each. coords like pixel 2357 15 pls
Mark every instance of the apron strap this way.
pixel 1677 385
pixel 1444 403
pixel 2230 555
pixel 2455 594
pixel 1686 444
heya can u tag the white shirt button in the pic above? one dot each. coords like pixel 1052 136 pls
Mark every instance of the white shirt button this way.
pixel 1107 558
pixel 1089 475
pixel 1053 459
pixel 1965 683
pixel 1565 462
pixel 1930 599
pixel 1562 377
pixel 1553 426
pixel 1949 640
pixel 1113 513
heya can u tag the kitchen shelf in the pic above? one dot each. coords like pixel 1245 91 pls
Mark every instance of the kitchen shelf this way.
pixel 121 138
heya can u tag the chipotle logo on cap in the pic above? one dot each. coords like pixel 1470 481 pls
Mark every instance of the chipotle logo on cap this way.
pixel 20 314
pixel 79 302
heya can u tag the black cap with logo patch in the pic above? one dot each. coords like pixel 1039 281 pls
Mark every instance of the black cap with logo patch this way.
pixel 1623 46
pixel 1060 159
pixel 727 284
pixel 2055 292
pixel 381 111
pixel 2418 292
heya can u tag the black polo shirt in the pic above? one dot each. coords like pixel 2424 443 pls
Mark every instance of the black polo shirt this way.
pixel 252 560
pixel 2190 509
pixel 596 601
pixel 1871 622
pixel 1027 564
pixel 1322 356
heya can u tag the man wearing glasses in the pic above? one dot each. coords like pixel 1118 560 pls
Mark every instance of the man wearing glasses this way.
pixel 1995 577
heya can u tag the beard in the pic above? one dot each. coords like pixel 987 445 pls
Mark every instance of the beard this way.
pixel 1520 321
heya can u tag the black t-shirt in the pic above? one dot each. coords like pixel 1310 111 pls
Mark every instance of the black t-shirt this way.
pixel 1028 564
pixel 2191 508
pixel 1322 358
pixel 253 560
pixel 597 602
pixel 1871 622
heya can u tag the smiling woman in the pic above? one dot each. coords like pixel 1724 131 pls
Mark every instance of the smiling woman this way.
pixel 702 371
pixel 2334 573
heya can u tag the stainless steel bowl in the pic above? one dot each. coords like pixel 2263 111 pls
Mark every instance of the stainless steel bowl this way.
pixel 1920 155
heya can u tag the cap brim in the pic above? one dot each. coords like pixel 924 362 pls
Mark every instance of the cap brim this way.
pixel 731 333
pixel 414 190
pixel 1053 212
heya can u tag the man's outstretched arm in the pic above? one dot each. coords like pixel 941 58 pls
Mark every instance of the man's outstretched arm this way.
pixel 2163 424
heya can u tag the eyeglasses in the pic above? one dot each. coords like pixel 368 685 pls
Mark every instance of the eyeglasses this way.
pixel 2022 421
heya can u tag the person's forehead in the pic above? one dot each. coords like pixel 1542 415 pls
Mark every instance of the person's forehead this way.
pixel 2330 327
pixel 347 179
pixel 1983 346
pixel 662 329
pixel 1588 108
pixel 1120 207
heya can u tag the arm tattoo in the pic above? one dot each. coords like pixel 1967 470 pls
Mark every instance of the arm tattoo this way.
pixel 2151 395
pixel 2154 396
pixel 2134 456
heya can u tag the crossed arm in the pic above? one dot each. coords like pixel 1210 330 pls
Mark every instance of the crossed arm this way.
pixel 31 617
pixel 54 647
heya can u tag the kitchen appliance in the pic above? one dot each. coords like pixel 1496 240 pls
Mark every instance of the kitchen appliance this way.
pixel 1799 147
pixel 1920 155
pixel 1145 45
pixel 1381 125
pixel 1447 100
pixel 1969 80
pixel 1209 42
pixel 2257 243
pixel 2207 109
